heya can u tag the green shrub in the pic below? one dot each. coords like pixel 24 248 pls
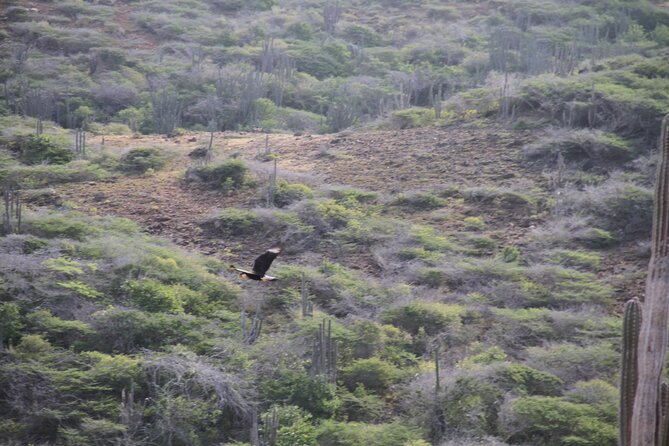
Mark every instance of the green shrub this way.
pixel 413 118
pixel 11 324
pixel 39 176
pixel 431 277
pixel 572 363
pixel 474 223
pixel 430 239
pixel 420 201
pixel 329 60
pixel 33 347
pixel 361 35
pixel 154 297
pixel 373 373
pixel 235 221
pixel 575 258
pixel 332 433
pixel 37 149
pixel 553 285
pixel 553 421
pixel 525 380
pixel 360 405
pixel 236 5
pixel 56 330
pixel 419 253
pixel 59 226
pixel 580 144
pixel 433 317
pixel 140 160
pixel 295 427
pixel 287 194
pixel 618 205
pixel 299 389
pixel 128 331
pixel 228 175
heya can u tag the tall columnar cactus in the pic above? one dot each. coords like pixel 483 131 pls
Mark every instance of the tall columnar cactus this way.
pixel 629 366
pixel 307 307
pixel 324 357
pixel 645 421
pixel 663 415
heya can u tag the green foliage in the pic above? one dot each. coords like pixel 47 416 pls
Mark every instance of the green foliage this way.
pixel 329 60
pixel 413 118
pixel 429 239
pixel 287 193
pixel 373 373
pixel 525 380
pixel 573 363
pixel 236 5
pixel 295 427
pixel 33 347
pixel 433 317
pixel 128 331
pixel 360 405
pixel 582 144
pixel 154 297
pixel 38 176
pixel 140 160
pixel 421 201
pixel 576 258
pixel 236 222
pixel 11 324
pixel 553 421
pixel 296 388
pixel 474 223
pixel 332 433
pixel 37 149
pixel 56 330
pixel 510 254
pixel 228 175
pixel 57 226
pixel 361 35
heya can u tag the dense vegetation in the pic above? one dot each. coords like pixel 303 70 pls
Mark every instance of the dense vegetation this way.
pixel 111 336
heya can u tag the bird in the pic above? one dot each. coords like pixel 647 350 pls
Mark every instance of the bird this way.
pixel 260 266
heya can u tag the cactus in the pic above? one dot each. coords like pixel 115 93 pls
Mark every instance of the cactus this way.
pixel 11 218
pixel 307 307
pixel 256 326
pixel 324 358
pixel 663 415
pixel 271 187
pixel 270 428
pixel 80 143
pixel 646 424
pixel 629 366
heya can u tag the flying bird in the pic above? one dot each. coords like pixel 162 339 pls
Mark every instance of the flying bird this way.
pixel 260 266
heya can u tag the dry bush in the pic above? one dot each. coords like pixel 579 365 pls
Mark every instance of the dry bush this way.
pixel 616 205
pixel 580 146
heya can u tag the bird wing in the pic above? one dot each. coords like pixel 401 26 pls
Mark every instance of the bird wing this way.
pixel 264 261
pixel 241 270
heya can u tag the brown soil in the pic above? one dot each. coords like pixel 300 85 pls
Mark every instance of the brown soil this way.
pixel 388 162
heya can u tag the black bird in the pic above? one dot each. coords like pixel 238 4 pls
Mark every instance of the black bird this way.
pixel 260 266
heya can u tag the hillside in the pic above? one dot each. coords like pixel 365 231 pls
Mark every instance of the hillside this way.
pixel 463 191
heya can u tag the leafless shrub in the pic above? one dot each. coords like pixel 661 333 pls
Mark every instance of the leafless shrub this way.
pixel 579 145
pixel 572 362
pixel 571 231
pixel 194 377
pixel 617 204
